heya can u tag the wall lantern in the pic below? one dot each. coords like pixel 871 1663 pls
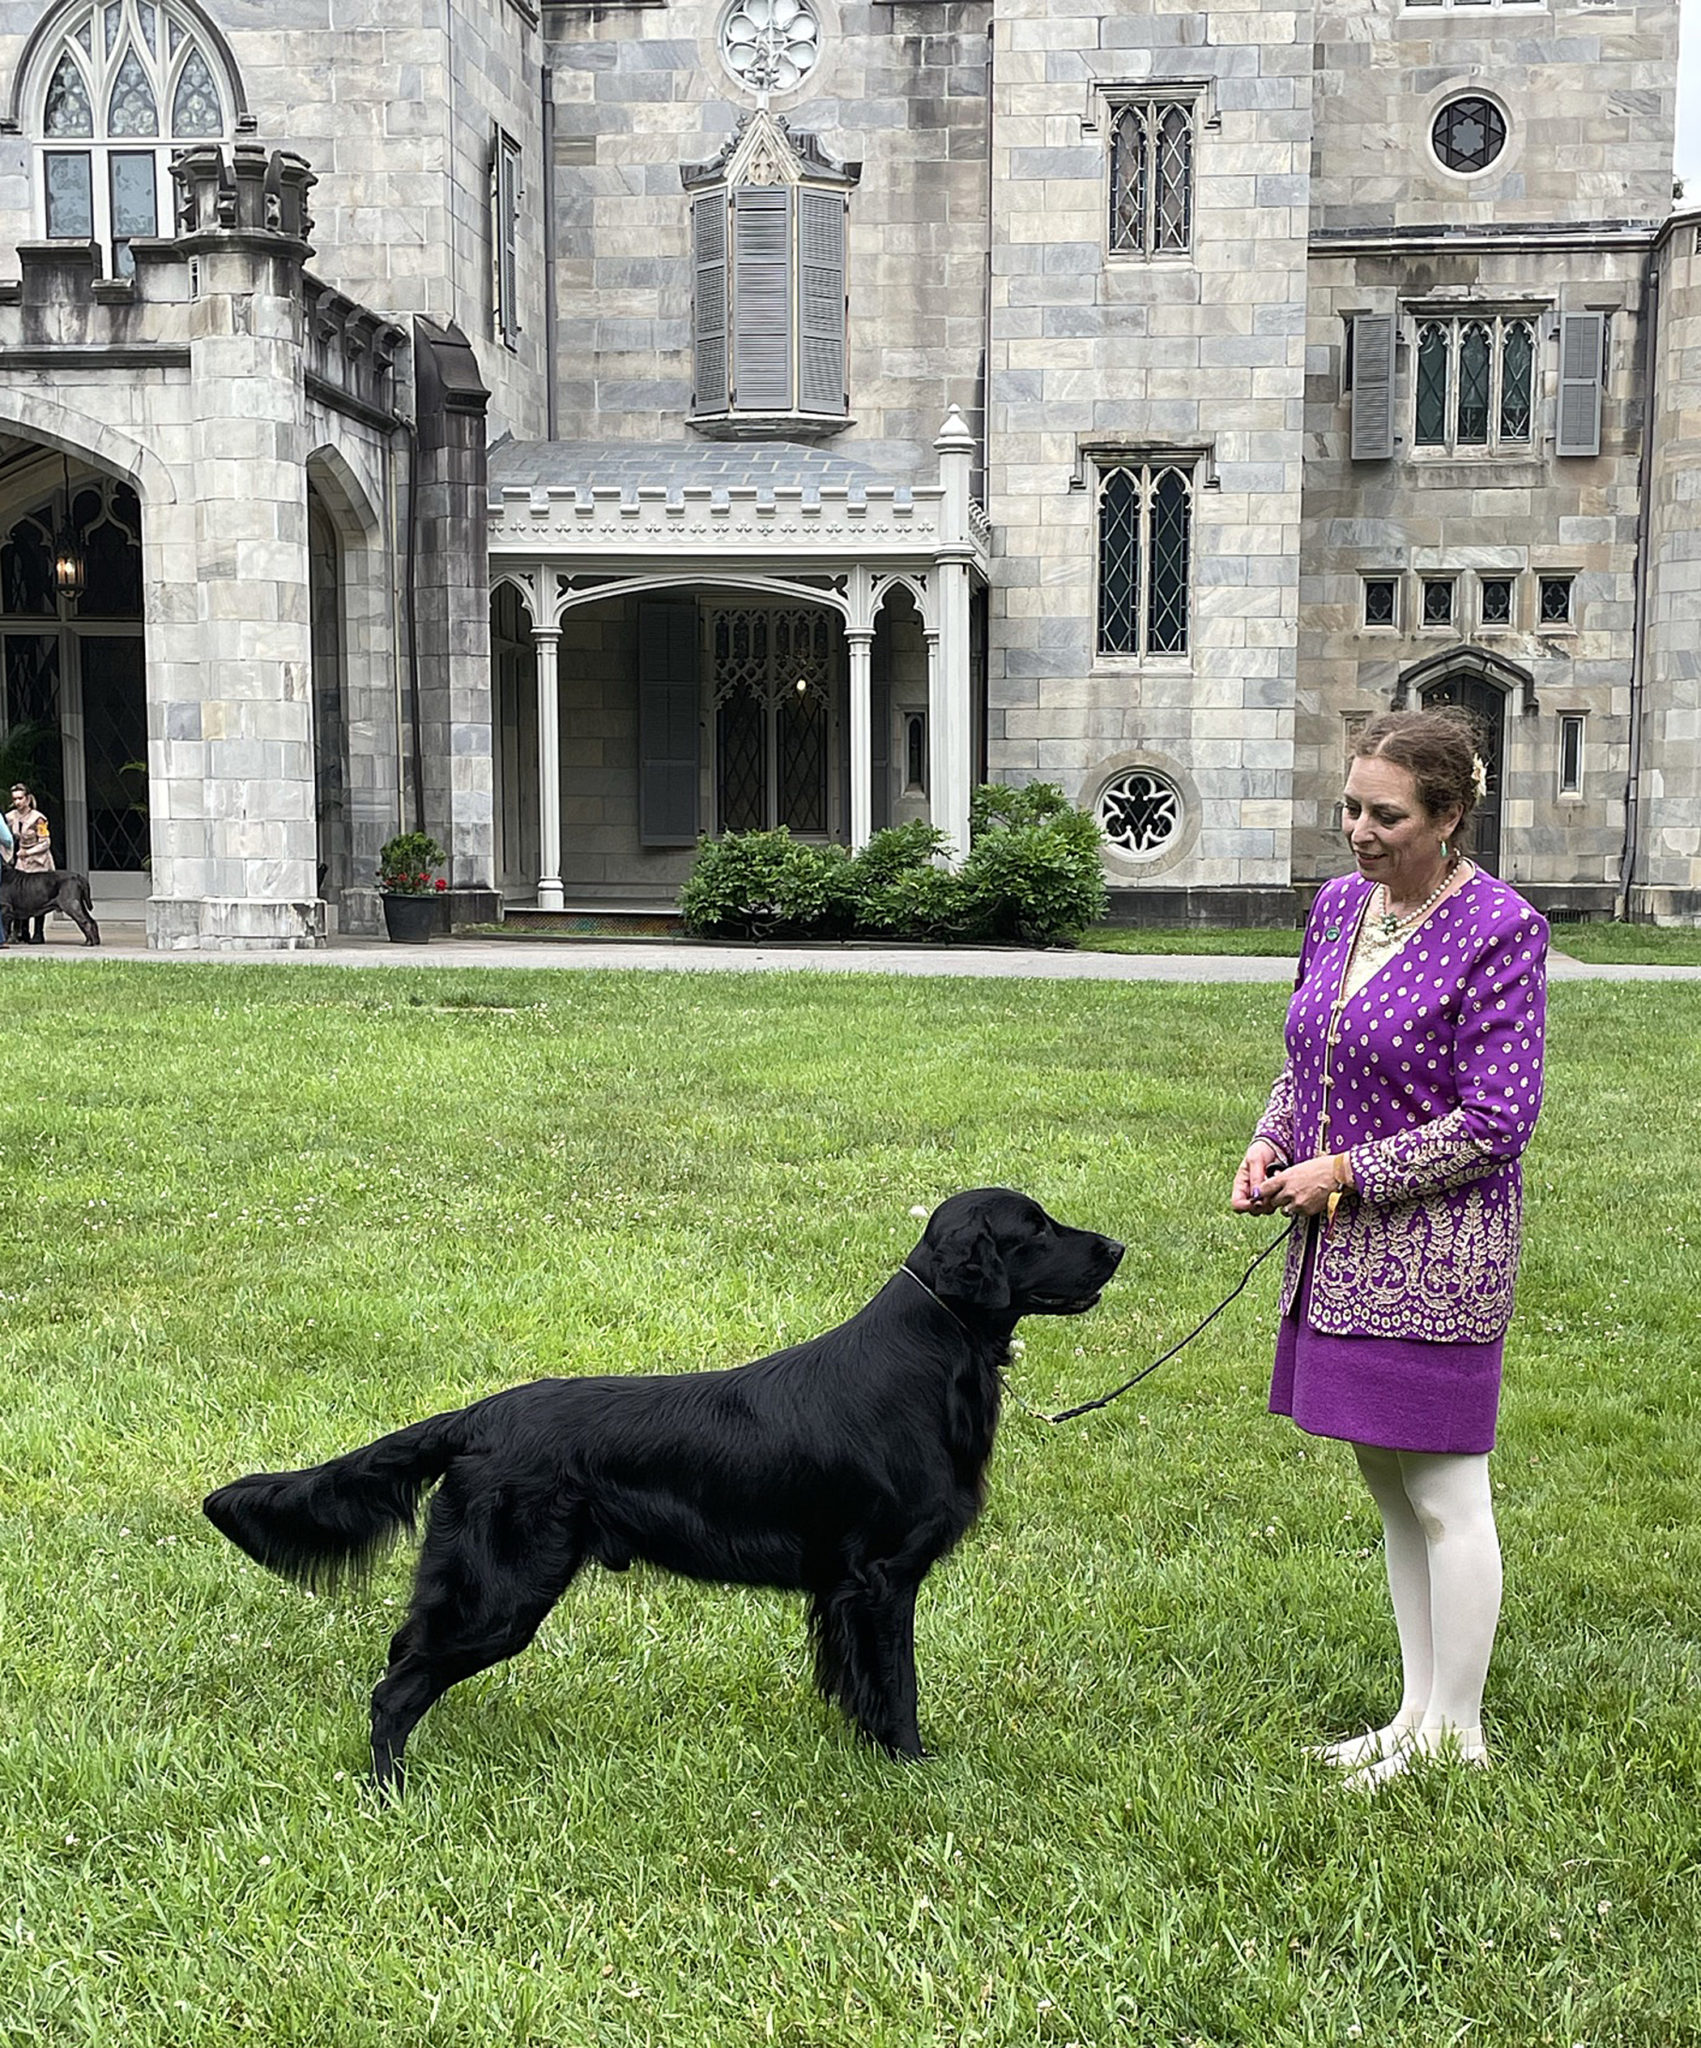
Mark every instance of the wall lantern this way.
pixel 68 566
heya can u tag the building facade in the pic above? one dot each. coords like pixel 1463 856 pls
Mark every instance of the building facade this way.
pixel 579 429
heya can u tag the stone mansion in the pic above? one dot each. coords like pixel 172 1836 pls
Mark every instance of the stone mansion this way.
pixel 579 426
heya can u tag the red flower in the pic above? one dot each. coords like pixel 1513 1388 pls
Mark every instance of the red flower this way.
pixel 441 883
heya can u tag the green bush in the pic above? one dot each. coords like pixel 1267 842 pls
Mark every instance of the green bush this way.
pixel 1033 873
pixel 766 885
pixel 1032 877
pixel 407 864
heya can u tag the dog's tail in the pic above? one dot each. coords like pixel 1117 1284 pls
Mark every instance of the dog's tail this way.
pixel 327 1524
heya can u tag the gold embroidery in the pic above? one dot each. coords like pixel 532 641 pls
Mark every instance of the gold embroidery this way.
pixel 1275 1126
pixel 1435 1271
pixel 1428 1158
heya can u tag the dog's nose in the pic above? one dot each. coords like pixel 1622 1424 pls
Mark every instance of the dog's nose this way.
pixel 1115 1250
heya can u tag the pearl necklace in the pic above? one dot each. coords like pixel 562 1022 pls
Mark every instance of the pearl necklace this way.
pixel 1388 930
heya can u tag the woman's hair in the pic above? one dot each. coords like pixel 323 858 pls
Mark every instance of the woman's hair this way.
pixel 1440 750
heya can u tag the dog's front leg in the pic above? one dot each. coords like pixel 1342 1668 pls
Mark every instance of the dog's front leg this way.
pixel 886 1638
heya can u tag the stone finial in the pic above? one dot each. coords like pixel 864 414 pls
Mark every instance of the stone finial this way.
pixel 954 435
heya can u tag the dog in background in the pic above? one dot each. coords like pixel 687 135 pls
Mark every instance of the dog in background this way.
pixel 843 1468
pixel 25 897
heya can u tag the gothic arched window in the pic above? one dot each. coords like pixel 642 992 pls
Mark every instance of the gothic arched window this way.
pixel 120 88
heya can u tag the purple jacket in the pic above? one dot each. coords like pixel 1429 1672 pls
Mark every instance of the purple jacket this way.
pixel 1434 1085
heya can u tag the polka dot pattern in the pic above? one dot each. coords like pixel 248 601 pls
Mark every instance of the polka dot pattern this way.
pixel 1432 1087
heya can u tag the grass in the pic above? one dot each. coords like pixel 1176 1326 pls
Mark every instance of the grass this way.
pixel 260 1215
pixel 1629 944
pixel 1193 939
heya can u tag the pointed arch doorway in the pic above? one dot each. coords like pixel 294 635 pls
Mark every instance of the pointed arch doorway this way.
pixel 1482 684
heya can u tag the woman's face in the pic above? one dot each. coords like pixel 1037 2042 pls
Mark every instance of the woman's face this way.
pixel 1393 838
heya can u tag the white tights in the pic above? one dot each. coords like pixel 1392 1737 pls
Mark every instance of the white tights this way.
pixel 1444 1576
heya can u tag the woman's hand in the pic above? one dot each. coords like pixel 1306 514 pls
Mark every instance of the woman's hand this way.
pixel 1302 1190
pixel 1255 1169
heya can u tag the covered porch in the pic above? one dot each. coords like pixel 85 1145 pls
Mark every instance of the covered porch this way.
pixel 692 640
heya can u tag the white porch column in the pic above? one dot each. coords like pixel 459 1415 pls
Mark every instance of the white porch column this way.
pixel 861 738
pixel 549 894
pixel 950 722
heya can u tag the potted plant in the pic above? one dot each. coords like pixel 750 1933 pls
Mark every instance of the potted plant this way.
pixel 409 887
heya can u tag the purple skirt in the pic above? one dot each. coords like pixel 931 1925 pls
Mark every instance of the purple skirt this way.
pixel 1400 1394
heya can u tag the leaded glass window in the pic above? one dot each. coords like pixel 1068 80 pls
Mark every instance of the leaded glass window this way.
pixel 1468 134
pixel 1151 178
pixel 1145 542
pixel 1495 607
pixel 773 683
pixel 1474 383
pixel 1438 601
pixel 1381 601
pixel 123 72
pixel 1140 811
pixel 1555 604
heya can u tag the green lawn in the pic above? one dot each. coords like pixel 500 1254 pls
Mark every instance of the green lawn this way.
pixel 1629 944
pixel 1190 939
pixel 261 1215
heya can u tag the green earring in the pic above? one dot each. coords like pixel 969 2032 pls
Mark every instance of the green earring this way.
pixel 1443 849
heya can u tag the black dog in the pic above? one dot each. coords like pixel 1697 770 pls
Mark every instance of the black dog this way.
pixel 26 897
pixel 843 1468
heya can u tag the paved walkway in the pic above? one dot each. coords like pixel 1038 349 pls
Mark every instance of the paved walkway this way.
pixel 678 957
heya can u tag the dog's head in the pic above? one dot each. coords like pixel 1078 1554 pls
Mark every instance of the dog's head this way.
pixel 994 1250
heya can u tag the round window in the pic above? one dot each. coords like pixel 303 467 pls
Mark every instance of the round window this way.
pixel 1469 134
pixel 1140 811
pixel 770 45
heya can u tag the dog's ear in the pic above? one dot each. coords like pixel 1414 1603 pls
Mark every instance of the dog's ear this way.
pixel 967 1267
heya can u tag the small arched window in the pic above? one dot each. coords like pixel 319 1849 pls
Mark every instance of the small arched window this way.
pixel 121 88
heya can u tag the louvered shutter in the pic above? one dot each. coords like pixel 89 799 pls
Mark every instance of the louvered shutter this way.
pixel 880 753
pixel 708 327
pixel 821 302
pixel 667 724
pixel 761 298
pixel 1582 360
pixel 1373 387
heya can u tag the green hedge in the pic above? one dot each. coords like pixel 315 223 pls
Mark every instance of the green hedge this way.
pixel 1032 877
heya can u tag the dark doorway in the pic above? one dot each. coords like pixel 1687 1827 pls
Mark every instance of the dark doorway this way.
pixel 1487 705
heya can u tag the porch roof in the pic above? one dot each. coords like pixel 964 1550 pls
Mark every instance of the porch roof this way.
pixel 727 500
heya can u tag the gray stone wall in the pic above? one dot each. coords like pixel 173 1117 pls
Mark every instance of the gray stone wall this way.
pixel 393 103
pixel 1202 355
pixel 1669 867
pixel 900 89
pixel 1467 515
pixel 1587 91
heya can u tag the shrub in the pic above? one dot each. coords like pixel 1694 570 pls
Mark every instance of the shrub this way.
pixel 766 885
pixel 921 903
pixel 1032 876
pixel 1033 871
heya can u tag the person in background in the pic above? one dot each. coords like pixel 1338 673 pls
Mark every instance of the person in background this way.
pixel 7 846
pixel 32 849
pixel 1393 1136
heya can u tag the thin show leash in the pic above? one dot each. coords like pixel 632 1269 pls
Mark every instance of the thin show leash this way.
pixel 1116 1393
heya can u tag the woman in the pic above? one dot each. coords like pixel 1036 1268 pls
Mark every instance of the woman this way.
pixel 32 851
pixel 1412 1084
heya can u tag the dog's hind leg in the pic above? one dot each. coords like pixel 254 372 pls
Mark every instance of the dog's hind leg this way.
pixel 487 1578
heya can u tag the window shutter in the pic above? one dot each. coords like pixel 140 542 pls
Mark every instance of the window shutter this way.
pixel 708 243
pixel 761 298
pixel 821 302
pixel 1373 387
pixel 1582 360
pixel 880 753
pixel 667 724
